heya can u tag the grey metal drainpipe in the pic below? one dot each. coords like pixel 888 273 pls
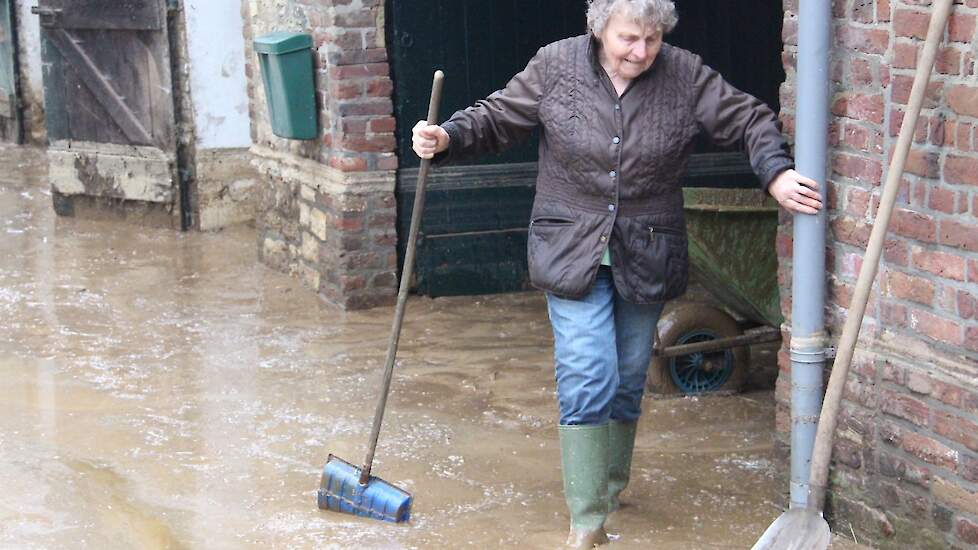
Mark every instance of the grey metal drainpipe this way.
pixel 808 257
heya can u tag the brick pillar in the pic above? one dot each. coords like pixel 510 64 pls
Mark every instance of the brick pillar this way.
pixel 328 210
pixel 904 462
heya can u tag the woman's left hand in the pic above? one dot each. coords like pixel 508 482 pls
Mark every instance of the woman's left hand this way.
pixel 796 193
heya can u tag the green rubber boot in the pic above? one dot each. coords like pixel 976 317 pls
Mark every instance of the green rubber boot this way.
pixel 621 443
pixel 584 459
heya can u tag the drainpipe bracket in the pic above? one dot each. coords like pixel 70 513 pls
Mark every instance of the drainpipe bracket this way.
pixel 811 356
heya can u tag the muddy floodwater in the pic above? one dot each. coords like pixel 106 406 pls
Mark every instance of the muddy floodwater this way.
pixel 164 390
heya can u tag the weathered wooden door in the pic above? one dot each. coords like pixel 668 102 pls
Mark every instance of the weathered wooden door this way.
pixel 109 101
pixel 10 128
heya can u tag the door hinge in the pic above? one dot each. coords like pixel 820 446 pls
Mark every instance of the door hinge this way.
pixel 49 17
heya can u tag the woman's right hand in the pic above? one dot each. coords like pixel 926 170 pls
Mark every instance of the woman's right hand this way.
pixel 428 140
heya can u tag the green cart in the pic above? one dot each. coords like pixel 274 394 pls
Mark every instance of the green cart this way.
pixel 702 344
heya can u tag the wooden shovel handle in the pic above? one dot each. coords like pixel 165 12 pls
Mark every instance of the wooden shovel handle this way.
pixel 847 343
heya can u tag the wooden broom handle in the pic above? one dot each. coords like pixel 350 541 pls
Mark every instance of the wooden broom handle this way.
pixel 405 284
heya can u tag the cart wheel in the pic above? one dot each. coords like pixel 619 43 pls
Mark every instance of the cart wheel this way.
pixel 722 371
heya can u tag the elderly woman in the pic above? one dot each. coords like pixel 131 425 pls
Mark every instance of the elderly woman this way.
pixel 618 110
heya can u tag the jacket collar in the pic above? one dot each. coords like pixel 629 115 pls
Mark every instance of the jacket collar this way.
pixel 593 50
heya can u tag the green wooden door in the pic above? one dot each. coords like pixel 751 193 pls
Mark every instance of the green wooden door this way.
pixel 474 228
pixel 741 40
pixel 473 235
pixel 10 127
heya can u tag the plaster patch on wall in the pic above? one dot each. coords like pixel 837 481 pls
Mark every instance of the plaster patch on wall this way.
pixel 29 46
pixel 218 83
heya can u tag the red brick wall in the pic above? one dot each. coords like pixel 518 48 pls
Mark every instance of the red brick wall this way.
pixel 907 448
pixel 353 85
pixel 327 210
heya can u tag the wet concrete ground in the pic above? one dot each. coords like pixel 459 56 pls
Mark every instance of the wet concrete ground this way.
pixel 164 390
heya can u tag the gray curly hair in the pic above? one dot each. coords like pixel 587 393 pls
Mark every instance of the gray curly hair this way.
pixel 661 13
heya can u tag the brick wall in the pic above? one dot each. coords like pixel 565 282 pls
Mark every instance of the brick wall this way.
pixel 326 209
pixel 905 464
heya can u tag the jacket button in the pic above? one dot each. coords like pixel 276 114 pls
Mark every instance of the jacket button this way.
pixel 611 208
pixel 604 238
pixel 613 173
pixel 616 140
pixel 617 107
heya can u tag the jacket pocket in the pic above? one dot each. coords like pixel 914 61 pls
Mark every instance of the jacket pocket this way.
pixel 662 230
pixel 550 221
pixel 553 250
pixel 660 262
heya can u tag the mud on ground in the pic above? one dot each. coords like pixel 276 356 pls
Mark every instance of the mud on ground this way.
pixel 164 390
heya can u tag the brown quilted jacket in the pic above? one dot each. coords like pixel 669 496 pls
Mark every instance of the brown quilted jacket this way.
pixel 610 167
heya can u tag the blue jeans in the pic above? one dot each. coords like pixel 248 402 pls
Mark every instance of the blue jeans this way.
pixel 602 349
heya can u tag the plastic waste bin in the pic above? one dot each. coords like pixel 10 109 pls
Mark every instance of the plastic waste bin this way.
pixel 287 70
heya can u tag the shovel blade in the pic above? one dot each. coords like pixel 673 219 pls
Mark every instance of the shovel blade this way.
pixel 340 491
pixel 796 529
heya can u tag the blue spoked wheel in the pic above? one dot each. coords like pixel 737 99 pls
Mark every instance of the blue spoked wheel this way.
pixel 722 371
pixel 701 372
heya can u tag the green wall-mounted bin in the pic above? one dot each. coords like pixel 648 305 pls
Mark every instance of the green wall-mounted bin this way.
pixel 286 68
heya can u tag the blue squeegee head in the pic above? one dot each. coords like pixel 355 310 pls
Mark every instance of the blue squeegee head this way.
pixel 340 491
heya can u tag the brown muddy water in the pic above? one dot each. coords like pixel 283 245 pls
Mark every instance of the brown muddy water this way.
pixel 164 390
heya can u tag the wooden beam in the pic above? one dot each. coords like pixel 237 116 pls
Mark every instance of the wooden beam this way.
pixel 129 15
